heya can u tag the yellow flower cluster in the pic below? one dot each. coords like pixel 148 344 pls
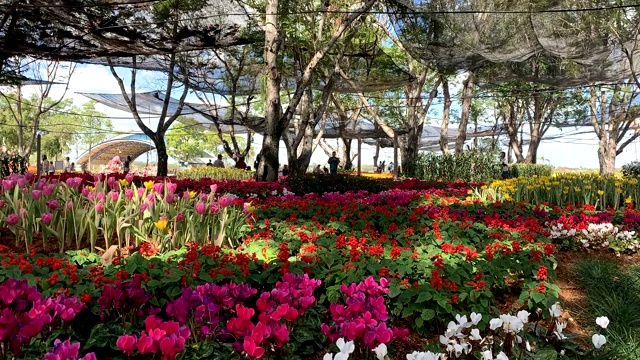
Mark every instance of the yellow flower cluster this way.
pixel 227 173
pixel 572 188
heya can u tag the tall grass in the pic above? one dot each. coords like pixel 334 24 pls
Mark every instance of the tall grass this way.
pixel 615 293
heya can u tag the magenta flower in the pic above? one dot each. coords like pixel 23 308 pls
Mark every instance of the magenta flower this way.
pixel 169 198
pixel 128 194
pixel 226 200
pixel 99 207
pixel 69 205
pixel 127 343
pixel 74 182
pixel 172 187
pixel 36 194
pixel 158 187
pixel 214 188
pixel 46 218
pixel 114 196
pixel 214 208
pixel 12 219
pixel 129 177
pixel 101 195
pixel 146 344
pixel 179 217
pixel 200 208
pixel 140 191
pixel 47 190
pixel 52 204
pixel 8 184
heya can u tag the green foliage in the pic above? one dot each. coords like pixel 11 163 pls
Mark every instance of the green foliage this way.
pixel 529 170
pixel 322 183
pixel 468 166
pixel 631 169
pixel 209 172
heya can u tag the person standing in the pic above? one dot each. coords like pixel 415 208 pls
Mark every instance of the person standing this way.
pixel 505 166
pixel 285 170
pixel 240 164
pixel 45 165
pixel 126 165
pixel 209 163
pixel 333 163
pixel 218 163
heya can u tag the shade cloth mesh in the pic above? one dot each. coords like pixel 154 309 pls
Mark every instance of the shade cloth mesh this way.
pixel 581 41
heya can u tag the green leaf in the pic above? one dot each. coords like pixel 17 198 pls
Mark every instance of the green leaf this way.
pixel 546 354
pixel 153 283
pixel 427 314
pixel 423 296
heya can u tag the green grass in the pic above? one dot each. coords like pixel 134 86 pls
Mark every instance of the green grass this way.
pixel 615 293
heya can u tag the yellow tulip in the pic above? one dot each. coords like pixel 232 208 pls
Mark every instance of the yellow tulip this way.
pixel 148 184
pixel 628 200
pixel 600 192
pixel 192 194
pixel 124 182
pixel 161 224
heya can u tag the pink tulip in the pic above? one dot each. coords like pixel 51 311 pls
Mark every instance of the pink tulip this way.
pixel 128 194
pixel 214 208
pixel 158 187
pixel 140 192
pixel 22 181
pixel 143 207
pixel 47 190
pixel 2 203
pixel 214 188
pixel 127 343
pixel 179 217
pixel 8 184
pixel 129 177
pixel 69 205
pixel 101 195
pixel 226 200
pixel 169 198
pixel 171 187
pixel 46 218
pixel 12 219
pixel 185 195
pixel 114 196
pixel 35 194
pixel 200 208
pixel 99 207
pixel 85 192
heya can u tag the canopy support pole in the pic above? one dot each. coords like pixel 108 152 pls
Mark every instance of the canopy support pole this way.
pixel 395 156
pixel 359 155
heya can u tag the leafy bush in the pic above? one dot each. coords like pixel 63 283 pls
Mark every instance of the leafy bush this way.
pixel 209 172
pixel 470 166
pixel 322 183
pixel 529 170
pixel 631 169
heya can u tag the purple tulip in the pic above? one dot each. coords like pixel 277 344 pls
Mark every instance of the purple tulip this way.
pixel 12 219
pixel 46 218
pixel 52 204
pixel 36 194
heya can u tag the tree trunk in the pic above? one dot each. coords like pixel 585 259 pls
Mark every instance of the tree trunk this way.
pixel 607 156
pixel 268 165
pixel 444 127
pixel 163 158
pixel 345 160
pixel 467 93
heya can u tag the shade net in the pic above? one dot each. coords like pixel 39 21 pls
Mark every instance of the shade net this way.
pixel 577 41
pixel 81 29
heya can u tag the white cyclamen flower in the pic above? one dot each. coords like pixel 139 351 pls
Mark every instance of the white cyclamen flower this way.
pixel 345 347
pixel 475 318
pixel 495 323
pixel 502 356
pixel 523 315
pixel 598 340
pixel 487 355
pixel 381 351
pixel 475 334
pixel 328 356
pixel 602 321
pixel 555 310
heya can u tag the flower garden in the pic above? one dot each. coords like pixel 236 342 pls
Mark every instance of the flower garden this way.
pixel 122 267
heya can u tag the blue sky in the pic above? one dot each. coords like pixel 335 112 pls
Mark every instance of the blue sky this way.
pixel 569 151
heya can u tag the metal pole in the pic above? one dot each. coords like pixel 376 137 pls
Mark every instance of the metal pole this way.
pixel 359 154
pixel 38 150
pixel 395 156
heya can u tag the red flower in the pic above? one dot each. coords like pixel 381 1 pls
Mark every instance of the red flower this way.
pixel 383 271
pixel 542 273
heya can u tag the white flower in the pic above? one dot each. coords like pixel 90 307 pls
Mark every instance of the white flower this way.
pixel 345 347
pixel 341 356
pixel 462 320
pixel 523 315
pixel 424 356
pixel 502 356
pixel 495 323
pixel 555 310
pixel 475 318
pixel 444 340
pixel 558 332
pixel 475 334
pixel 602 321
pixel 381 351
pixel 598 340
pixel 328 356
pixel 487 355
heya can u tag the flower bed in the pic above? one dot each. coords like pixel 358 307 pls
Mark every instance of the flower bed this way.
pixel 309 269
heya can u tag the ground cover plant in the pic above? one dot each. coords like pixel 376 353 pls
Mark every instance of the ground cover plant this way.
pixel 292 274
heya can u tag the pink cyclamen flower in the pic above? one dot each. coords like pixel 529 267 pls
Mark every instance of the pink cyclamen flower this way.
pixel 146 344
pixel 127 343
pixel 12 219
pixel 46 218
